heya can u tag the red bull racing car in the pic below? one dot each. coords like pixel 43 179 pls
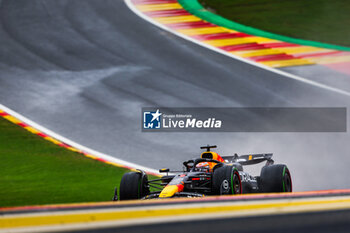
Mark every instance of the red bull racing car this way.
pixel 211 174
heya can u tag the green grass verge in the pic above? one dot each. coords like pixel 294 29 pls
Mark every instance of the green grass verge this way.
pixel 317 20
pixel 34 171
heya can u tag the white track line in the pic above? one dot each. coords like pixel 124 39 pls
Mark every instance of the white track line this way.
pixel 280 72
pixel 74 144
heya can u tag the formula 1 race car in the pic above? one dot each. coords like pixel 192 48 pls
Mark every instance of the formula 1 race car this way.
pixel 210 174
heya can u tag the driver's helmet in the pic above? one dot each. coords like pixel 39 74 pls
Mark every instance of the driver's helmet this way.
pixel 203 167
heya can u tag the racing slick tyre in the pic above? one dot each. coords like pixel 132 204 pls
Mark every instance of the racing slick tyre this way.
pixel 134 185
pixel 275 178
pixel 226 180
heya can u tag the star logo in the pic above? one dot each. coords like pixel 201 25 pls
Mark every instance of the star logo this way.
pixel 156 115
pixel 152 119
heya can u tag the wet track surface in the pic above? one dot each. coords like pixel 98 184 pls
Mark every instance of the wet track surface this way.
pixel 321 211
pixel 84 69
pixel 307 222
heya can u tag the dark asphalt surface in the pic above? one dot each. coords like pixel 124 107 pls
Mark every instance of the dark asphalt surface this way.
pixel 85 68
pixel 327 221
pixel 330 222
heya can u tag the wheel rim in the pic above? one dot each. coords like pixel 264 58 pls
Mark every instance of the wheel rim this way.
pixel 236 184
pixel 287 183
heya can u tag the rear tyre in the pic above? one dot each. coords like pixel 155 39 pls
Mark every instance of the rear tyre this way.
pixel 134 185
pixel 226 180
pixel 275 178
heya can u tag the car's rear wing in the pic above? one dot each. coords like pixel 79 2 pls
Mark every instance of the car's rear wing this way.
pixel 249 159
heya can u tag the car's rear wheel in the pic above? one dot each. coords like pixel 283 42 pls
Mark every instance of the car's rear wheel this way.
pixel 275 178
pixel 134 185
pixel 226 180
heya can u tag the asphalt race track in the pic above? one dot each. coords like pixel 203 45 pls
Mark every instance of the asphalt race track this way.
pixel 318 211
pixel 84 69
pixel 326 222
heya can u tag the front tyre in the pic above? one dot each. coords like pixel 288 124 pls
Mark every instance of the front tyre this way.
pixel 226 180
pixel 275 178
pixel 134 185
